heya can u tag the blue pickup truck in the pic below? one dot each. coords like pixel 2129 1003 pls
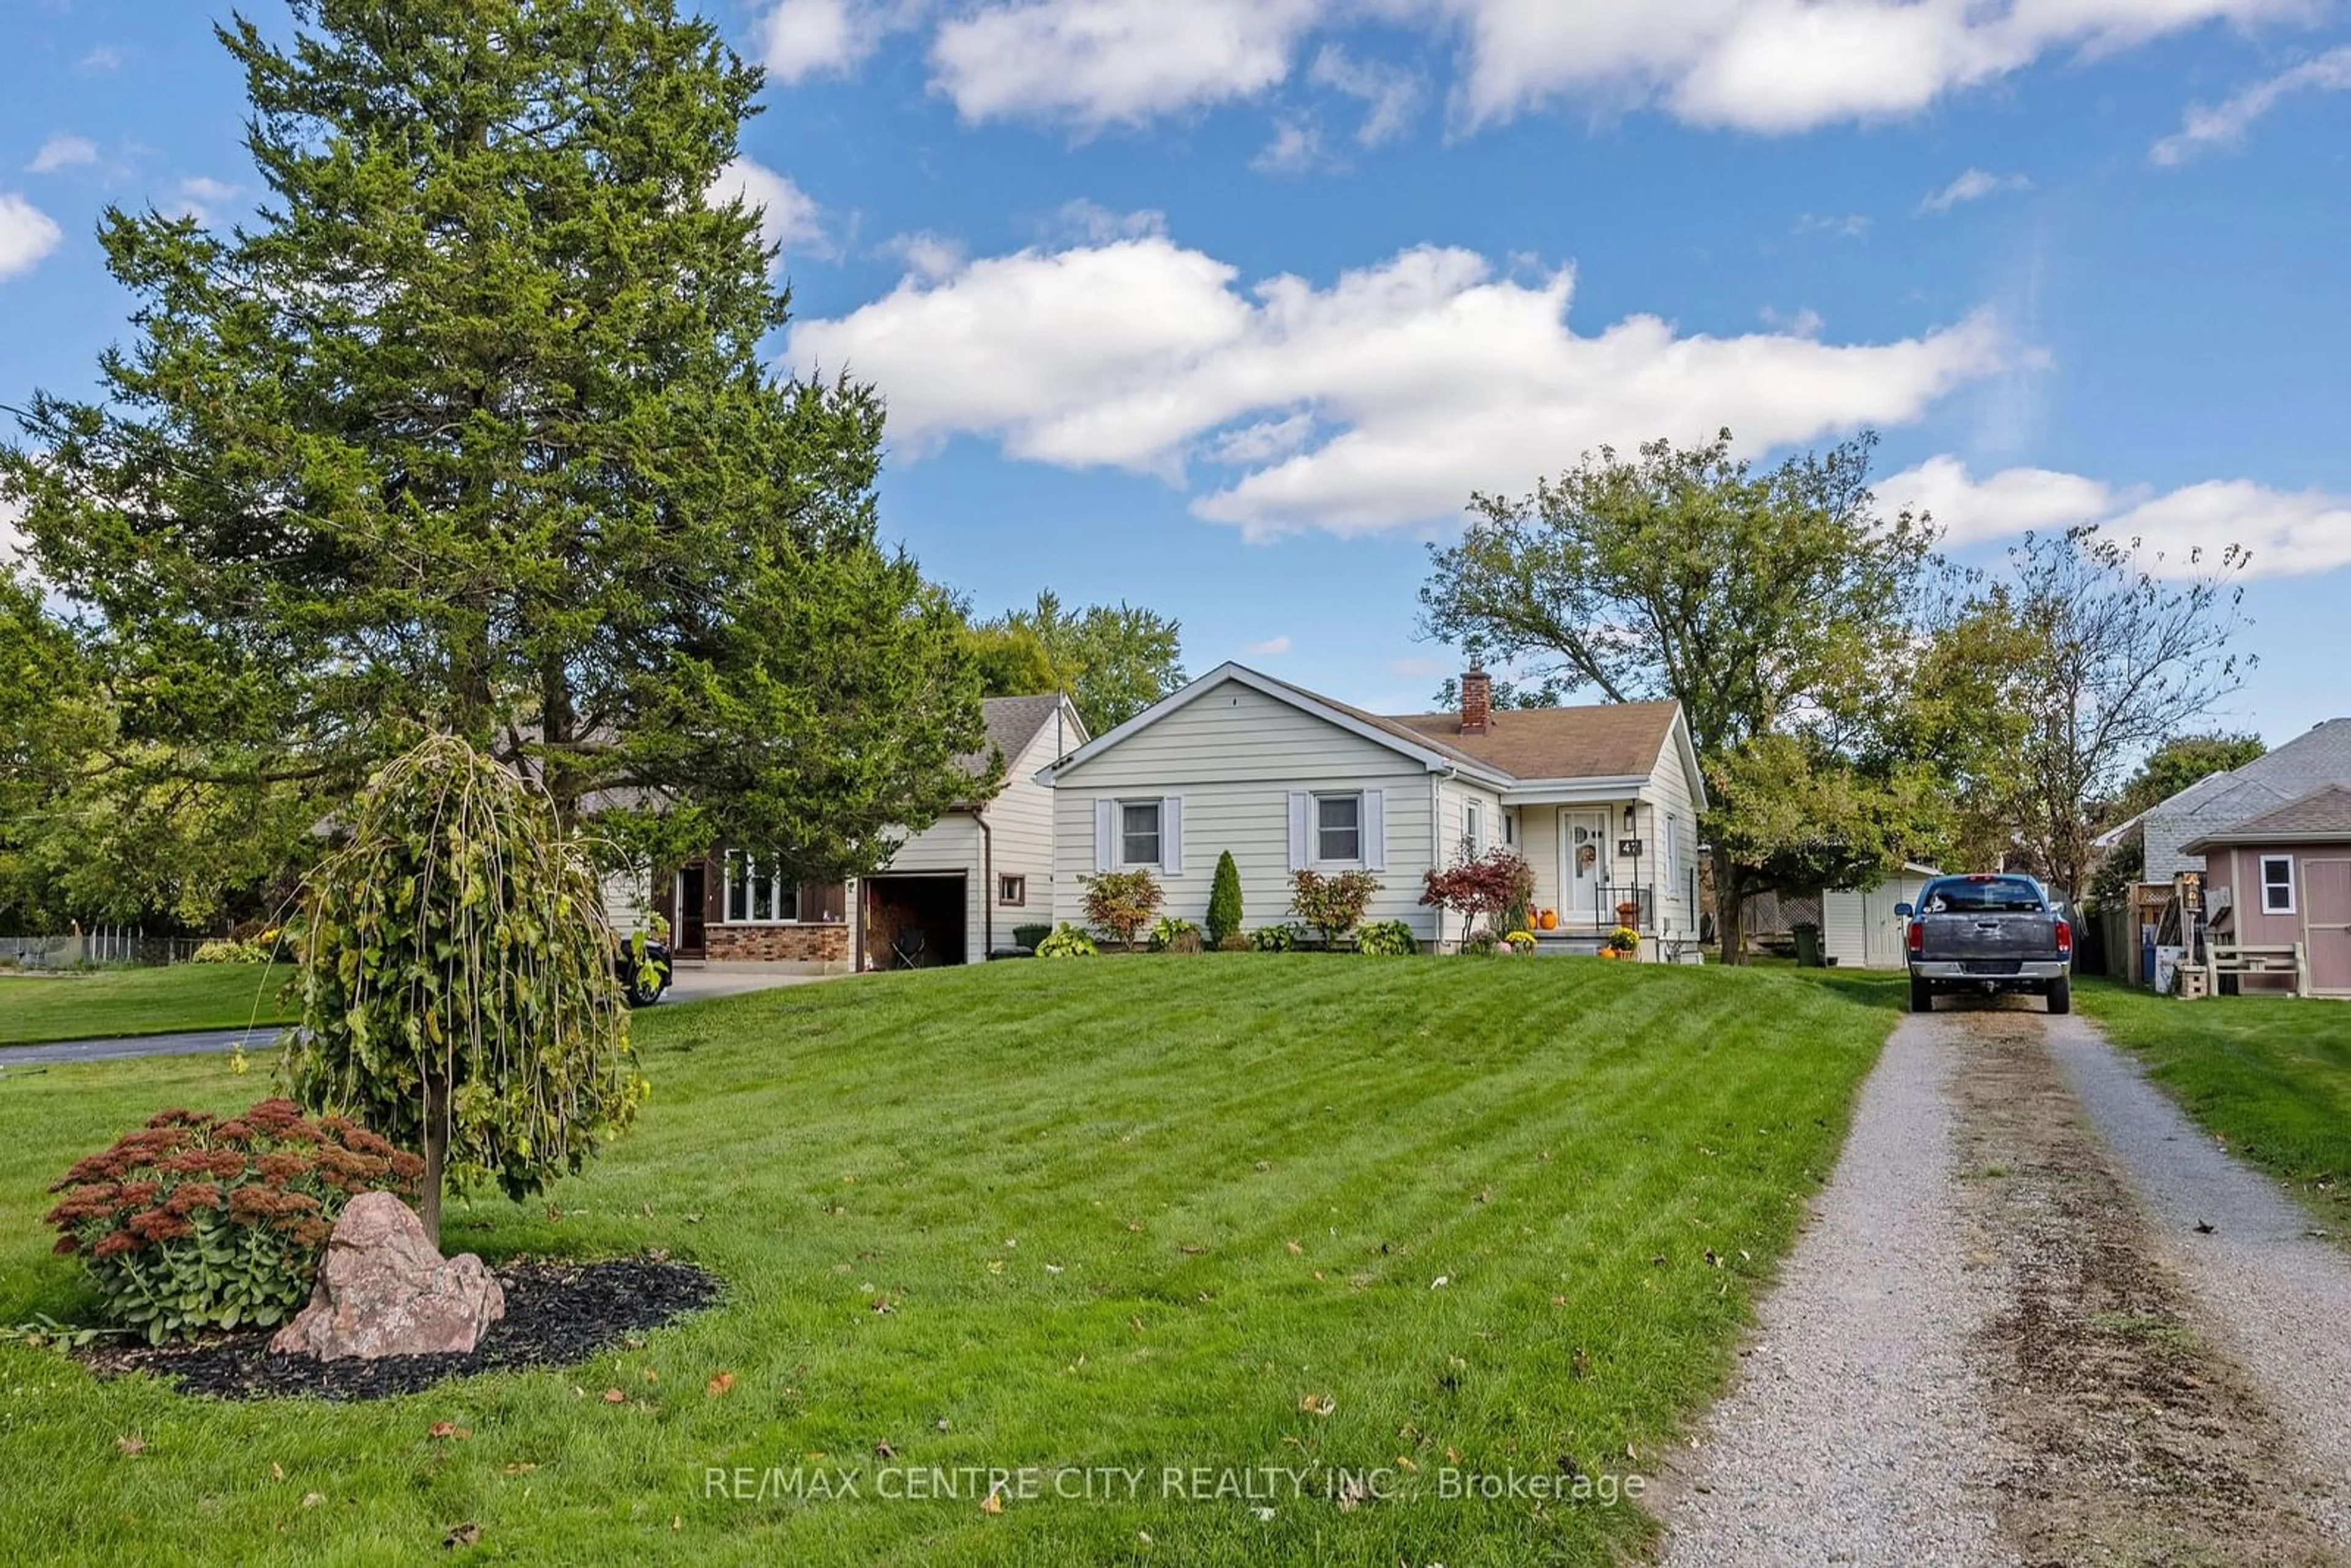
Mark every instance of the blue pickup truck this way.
pixel 1989 934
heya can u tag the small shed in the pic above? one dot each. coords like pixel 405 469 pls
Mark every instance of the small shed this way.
pixel 2282 883
pixel 1859 929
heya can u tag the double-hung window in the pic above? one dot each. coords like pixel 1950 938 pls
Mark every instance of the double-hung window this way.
pixel 1473 826
pixel 1138 833
pixel 1339 828
pixel 2277 884
pixel 757 892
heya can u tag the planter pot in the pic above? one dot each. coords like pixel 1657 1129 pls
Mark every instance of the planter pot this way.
pixel 1628 912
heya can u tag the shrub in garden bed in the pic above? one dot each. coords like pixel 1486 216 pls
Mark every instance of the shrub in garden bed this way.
pixel 1068 942
pixel 195 1222
pixel 1274 938
pixel 1386 939
pixel 1174 934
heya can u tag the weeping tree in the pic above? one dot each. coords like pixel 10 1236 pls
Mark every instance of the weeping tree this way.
pixel 456 980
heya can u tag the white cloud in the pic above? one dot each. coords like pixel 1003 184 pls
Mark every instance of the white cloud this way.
pixel 1805 322
pixel 1102 62
pixel 2014 501
pixel 1271 648
pixel 1391 92
pixel 1776 66
pixel 102 60
pixel 200 197
pixel 1973 185
pixel 926 254
pixel 2288 533
pixel 2225 124
pixel 790 220
pixel 1378 402
pixel 800 38
pixel 1781 66
pixel 63 150
pixel 27 235
pixel 1292 151
pixel 1843 225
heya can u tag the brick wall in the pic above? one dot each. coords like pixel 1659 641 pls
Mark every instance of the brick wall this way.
pixel 812 944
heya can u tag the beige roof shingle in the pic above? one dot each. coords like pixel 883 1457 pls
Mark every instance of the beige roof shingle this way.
pixel 1606 740
pixel 2322 816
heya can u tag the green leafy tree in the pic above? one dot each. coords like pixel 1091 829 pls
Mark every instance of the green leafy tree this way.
pixel 470 431
pixel 1775 606
pixel 1224 899
pixel 2181 761
pixel 456 980
pixel 1112 661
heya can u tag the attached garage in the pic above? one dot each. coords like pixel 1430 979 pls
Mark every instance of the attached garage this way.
pixel 912 921
pixel 1859 929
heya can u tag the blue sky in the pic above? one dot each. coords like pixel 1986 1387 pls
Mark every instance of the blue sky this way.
pixel 1225 308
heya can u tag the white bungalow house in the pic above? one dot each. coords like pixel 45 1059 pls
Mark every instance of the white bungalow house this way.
pixel 1601 800
pixel 949 894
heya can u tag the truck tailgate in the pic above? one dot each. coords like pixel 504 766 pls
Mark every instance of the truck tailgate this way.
pixel 1988 938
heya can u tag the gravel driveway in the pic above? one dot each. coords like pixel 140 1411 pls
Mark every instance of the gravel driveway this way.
pixel 1858 1432
pixel 2037 1316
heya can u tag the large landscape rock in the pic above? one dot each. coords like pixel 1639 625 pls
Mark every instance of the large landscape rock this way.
pixel 384 1290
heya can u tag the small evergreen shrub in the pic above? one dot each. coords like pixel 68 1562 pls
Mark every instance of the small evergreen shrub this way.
pixel 1225 901
pixel 1386 939
pixel 1028 936
pixel 1068 942
pixel 193 1222
pixel 1274 938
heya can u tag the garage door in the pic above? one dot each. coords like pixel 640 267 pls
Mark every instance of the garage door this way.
pixel 2326 924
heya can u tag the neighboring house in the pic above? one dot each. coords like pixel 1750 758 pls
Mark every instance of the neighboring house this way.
pixel 948 894
pixel 1603 801
pixel 2308 762
pixel 2284 877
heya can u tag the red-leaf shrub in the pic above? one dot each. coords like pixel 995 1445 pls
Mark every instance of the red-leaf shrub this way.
pixel 1491 885
pixel 194 1222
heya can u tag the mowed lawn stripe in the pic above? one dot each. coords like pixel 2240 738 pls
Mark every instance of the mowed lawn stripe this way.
pixel 929 1144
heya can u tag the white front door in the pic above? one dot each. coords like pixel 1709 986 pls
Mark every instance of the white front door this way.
pixel 1584 868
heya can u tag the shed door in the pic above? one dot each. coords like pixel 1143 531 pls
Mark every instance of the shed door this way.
pixel 2327 924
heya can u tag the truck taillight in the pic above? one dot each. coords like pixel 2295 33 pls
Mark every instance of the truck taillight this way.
pixel 2064 938
pixel 1917 936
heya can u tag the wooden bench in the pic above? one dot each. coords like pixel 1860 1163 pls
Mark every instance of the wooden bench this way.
pixel 2241 958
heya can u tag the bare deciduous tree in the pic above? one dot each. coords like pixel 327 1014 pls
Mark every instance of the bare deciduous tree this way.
pixel 2129 646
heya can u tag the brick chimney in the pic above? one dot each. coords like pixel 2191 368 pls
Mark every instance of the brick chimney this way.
pixel 1476 696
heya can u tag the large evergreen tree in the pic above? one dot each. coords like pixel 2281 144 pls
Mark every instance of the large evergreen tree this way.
pixel 469 432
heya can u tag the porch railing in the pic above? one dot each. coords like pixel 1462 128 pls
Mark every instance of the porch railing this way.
pixel 1600 915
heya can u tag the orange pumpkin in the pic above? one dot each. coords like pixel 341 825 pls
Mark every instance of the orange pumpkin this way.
pixel 1550 919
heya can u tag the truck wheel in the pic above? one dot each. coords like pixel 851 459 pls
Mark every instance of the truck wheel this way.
pixel 1922 997
pixel 2061 995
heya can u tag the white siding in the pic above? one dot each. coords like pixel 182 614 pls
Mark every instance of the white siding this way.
pixel 1019 842
pixel 624 900
pixel 1235 755
pixel 1671 794
pixel 1859 928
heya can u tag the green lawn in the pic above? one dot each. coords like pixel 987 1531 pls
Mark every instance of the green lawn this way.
pixel 1146 1213
pixel 139 1001
pixel 2270 1074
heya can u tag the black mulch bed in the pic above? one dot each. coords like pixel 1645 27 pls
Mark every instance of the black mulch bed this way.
pixel 555 1313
